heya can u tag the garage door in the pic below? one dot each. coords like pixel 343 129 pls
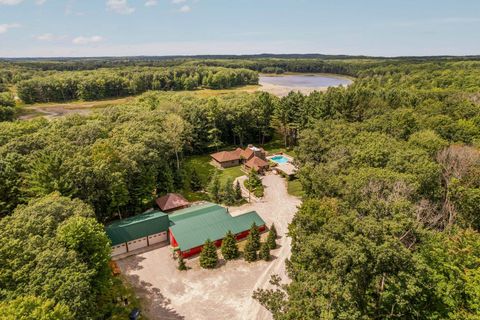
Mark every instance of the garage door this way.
pixel 158 237
pixel 137 244
pixel 119 249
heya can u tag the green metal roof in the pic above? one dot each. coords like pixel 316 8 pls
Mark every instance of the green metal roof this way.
pixel 138 226
pixel 192 226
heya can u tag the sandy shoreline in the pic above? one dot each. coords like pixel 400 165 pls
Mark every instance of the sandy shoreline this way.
pixel 281 91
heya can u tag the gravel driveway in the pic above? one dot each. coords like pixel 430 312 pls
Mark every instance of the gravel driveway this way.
pixel 222 293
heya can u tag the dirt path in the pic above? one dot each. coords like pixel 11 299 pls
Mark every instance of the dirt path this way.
pixel 54 110
pixel 222 293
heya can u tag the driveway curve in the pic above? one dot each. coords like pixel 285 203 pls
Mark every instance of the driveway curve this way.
pixel 222 293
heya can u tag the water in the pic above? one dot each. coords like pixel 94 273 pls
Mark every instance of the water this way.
pixel 305 81
pixel 279 159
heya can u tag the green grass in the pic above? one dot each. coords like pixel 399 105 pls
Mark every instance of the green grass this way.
pixel 201 163
pixel 295 188
pixel 233 172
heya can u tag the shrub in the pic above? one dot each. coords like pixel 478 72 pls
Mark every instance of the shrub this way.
pixel 229 247
pixel 208 256
pixel 265 251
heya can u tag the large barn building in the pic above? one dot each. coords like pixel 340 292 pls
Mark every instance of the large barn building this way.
pixel 137 232
pixel 186 229
pixel 190 228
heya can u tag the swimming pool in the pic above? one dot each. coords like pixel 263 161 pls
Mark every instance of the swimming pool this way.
pixel 279 159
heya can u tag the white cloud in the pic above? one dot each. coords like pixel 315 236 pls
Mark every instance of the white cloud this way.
pixel 151 3
pixel 40 2
pixel 10 2
pixel 178 1
pixel 7 26
pixel 87 40
pixel 119 6
pixel 185 8
pixel 49 37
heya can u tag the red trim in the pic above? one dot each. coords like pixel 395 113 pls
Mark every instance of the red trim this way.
pixel 194 251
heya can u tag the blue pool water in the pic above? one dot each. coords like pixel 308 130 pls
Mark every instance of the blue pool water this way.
pixel 279 159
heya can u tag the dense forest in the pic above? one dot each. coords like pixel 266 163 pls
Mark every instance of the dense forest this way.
pixel 390 166
pixel 108 83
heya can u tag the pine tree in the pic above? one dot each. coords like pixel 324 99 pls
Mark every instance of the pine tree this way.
pixel 250 252
pixel 265 251
pixel 214 188
pixel 274 231
pixel 238 191
pixel 272 244
pixel 253 181
pixel 181 263
pixel 208 256
pixel 228 193
pixel 255 235
pixel 229 247
pixel 195 181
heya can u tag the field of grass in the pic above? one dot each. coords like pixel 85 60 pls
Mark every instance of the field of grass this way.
pixel 295 188
pixel 201 164
pixel 232 173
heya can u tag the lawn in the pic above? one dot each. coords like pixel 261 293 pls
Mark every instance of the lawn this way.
pixel 233 172
pixel 201 164
pixel 295 188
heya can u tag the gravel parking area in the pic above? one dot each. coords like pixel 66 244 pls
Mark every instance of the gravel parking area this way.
pixel 222 293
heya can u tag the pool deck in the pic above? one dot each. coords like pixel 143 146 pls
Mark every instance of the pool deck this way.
pixel 287 168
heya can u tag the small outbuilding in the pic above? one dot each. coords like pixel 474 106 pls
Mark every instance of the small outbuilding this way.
pixel 137 232
pixel 191 227
pixel 171 202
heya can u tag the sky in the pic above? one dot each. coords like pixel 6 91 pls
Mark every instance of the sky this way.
pixel 80 28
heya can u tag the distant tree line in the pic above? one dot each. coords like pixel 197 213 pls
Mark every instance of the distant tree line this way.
pixel 109 83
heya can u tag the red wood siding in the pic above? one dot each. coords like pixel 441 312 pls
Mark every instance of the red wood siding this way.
pixel 218 243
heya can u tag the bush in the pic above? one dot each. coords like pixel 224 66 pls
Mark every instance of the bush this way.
pixel 272 244
pixel 255 236
pixel 229 247
pixel 274 230
pixel 181 263
pixel 208 256
pixel 250 252
pixel 265 251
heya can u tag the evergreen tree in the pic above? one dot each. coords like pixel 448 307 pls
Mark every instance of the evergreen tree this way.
pixel 238 191
pixel 253 181
pixel 195 181
pixel 265 251
pixel 255 235
pixel 228 193
pixel 208 256
pixel 274 231
pixel 181 263
pixel 229 247
pixel 250 251
pixel 272 244
pixel 214 188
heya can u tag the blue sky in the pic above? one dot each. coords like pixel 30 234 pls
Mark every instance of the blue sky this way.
pixel 169 27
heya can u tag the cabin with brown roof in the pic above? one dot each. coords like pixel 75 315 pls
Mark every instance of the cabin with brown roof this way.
pixel 257 164
pixel 227 159
pixel 171 202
